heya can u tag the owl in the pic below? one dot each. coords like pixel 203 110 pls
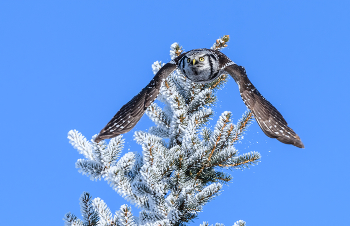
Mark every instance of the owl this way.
pixel 203 66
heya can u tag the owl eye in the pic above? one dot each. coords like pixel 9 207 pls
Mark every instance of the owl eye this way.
pixel 188 60
pixel 201 58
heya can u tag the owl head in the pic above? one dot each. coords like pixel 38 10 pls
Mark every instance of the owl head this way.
pixel 200 65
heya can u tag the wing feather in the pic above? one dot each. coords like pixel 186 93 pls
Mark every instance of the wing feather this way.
pixel 268 117
pixel 128 116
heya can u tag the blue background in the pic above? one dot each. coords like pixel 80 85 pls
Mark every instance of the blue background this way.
pixel 72 64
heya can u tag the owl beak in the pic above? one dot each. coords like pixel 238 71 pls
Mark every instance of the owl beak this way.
pixel 194 61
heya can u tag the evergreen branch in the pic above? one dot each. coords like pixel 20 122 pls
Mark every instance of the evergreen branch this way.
pixel 202 98
pixel 202 197
pixel 226 135
pixel 151 155
pixel 125 216
pixel 218 224
pixel 121 177
pixel 204 224
pixel 156 114
pixel 167 88
pixel 87 210
pixel 179 123
pixel 182 84
pixel 156 66
pixel 113 150
pixel 159 131
pixel 170 91
pixel 195 90
pixel 104 213
pixel 175 50
pixel 177 100
pixel 221 43
pixel 91 168
pixel 225 119
pixel 148 142
pixel 242 160
pixel 170 157
pixel 206 134
pixel 224 156
pixel 220 176
pixel 70 219
pixel 202 116
pixel 242 125
pixel 218 83
pixel 79 142
pixel 166 84
pixel 125 163
pixel 174 215
pixel 239 223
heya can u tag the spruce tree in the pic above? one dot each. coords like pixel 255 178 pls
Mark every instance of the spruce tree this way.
pixel 180 169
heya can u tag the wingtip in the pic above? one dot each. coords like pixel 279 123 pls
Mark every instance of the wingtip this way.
pixel 298 142
pixel 98 139
pixel 294 140
pixel 102 136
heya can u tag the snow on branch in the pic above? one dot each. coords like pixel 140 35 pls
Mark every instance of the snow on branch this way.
pixel 175 50
pixel 71 220
pixel 158 116
pixel 88 212
pixel 237 223
pixel 104 213
pixel 242 126
pixel 96 213
pixel 221 42
pixel 125 216
pixel 79 142
pixel 218 83
pixel 156 66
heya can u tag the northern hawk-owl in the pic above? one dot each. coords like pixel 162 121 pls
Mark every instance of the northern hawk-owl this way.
pixel 203 66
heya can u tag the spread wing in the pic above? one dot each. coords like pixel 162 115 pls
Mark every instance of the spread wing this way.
pixel 127 117
pixel 268 117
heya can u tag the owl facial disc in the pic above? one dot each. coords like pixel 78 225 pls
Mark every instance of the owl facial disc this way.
pixel 200 66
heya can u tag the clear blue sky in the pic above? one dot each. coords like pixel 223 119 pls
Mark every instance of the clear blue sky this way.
pixel 72 64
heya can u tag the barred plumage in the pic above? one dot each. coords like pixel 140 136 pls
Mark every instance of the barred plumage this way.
pixel 204 66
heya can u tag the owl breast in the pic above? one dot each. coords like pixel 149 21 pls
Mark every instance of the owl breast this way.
pixel 200 66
